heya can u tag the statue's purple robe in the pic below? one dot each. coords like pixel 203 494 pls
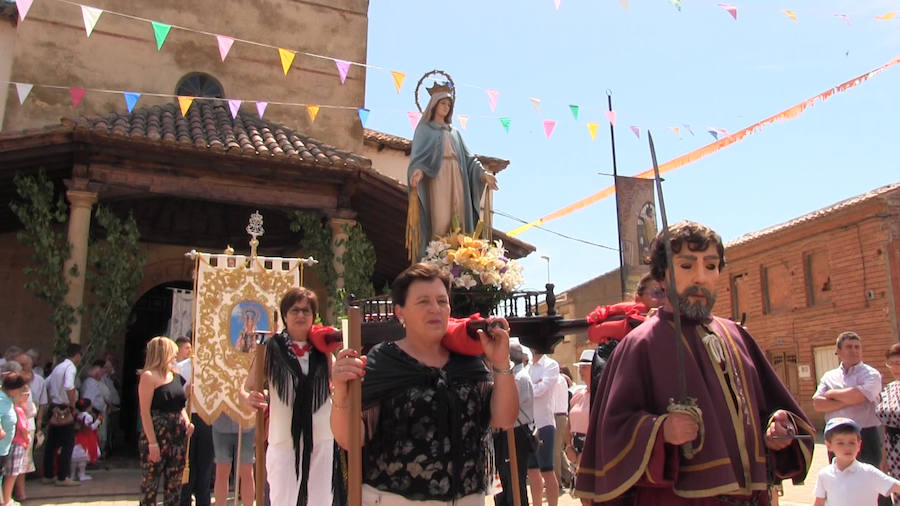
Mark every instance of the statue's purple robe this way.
pixel 626 460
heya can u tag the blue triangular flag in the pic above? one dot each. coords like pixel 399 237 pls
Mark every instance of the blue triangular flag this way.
pixel 131 98
pixel 363 115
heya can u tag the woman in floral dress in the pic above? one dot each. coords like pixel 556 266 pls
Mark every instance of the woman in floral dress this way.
pixel 888 411
pixel 427 411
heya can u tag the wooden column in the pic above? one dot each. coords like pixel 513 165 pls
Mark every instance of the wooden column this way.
pixel 80 205
pixel 338 246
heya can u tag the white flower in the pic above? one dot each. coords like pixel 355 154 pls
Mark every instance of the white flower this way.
pixel 466 281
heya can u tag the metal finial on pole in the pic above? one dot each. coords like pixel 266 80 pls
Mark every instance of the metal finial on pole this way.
pixel 255 229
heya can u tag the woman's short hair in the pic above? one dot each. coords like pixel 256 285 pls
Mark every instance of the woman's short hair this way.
pixel 295 295
pixel 416 272
pixel 161 353
pixel 13 381
pixel 893 351
pixel 697 236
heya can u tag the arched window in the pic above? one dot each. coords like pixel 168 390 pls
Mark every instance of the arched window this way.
pixel 198 84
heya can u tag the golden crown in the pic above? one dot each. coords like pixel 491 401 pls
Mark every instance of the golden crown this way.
pixel 439 87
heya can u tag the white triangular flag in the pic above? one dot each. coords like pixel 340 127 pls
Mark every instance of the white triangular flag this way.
pixel 23 89
pixel 91 15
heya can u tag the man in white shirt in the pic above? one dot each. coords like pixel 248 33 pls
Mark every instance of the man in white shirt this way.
pixel 852 390
pixel 561 466
pixel 523 433
pixel 61 438
pixel 544 374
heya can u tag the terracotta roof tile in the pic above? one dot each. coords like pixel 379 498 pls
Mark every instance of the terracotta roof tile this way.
pixel 209 126
pixel 383 140
pixel 821 213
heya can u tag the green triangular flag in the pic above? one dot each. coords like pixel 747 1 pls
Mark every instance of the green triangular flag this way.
pixel 505 123
pixel 161 31
pixel 574 109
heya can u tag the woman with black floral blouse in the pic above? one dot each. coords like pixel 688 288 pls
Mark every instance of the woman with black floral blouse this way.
pixel 427 412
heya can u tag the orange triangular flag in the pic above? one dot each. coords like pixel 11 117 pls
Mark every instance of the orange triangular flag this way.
pixel 791 14
pixel 313 111
pixel 287 58
pixel 185 104
pixel 883 17
pixel 398 79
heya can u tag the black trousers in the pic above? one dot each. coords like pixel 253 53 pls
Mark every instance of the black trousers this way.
pixel 501 456
pixel 61 439
pixel 200 464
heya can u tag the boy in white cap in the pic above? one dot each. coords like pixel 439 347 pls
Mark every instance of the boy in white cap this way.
pixel 847 482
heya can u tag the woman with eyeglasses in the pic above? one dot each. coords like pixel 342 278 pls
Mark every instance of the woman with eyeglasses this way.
pixel 888 411
pixel 300 455
pixel 427 412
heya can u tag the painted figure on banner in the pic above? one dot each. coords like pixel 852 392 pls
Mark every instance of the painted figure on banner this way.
pixel 247 318
pixel 447 178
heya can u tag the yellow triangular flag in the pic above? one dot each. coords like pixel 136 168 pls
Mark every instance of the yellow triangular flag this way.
pixel 287 58
pixel 185 104
pixel 592 128
pixel 313 111
pixel 398 79
pixel 883 17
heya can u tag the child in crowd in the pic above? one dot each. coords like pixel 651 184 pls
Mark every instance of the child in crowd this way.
pixel 16 459
pixel 846 481
pixel 87 442
pixel 14 387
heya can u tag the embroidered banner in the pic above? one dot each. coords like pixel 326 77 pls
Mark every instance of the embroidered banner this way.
pixel 236 297
pixel 637 227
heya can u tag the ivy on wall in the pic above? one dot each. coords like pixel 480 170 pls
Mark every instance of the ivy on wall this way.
pixel 43 220
pixel 358 259
pixel 115 270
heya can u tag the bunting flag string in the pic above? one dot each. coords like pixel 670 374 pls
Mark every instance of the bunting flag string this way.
pixel 161 31
pixel 225 42
pixel 688 158
pixel 23 6
pixel 90 15
pixel 131 99
pixel 363 115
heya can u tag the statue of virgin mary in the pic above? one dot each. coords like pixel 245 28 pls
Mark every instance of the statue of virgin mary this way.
pixel 446 177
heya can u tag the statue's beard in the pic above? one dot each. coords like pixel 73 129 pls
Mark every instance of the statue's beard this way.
pixel 696 311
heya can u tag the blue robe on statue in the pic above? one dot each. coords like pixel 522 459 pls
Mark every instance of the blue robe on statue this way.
pixel 427 155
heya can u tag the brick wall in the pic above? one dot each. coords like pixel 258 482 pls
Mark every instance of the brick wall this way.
pixel 851 255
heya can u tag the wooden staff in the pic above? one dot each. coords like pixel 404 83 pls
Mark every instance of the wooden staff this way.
pixel 488 210
pixel 513 466
pixel 262 429
pixel 354 454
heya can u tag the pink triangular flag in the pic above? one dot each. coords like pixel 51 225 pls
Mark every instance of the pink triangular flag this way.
pixel 556 3
pixel 611 116
pixel 22 6
pixel 492 98
pixel 234 105
pixel 536 102
pixel 77 95
pixel 731 9
pixel 23 89
pixel 463 120
pixel 549 125
pixel 845 17
pixel 343 67
pixel 414 117
pixel 637 130
pixel 225 43
pixel 261 108
pixel 624 4
pixel 90 15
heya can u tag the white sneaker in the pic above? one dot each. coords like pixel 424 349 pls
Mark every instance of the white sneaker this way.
pixel 85 477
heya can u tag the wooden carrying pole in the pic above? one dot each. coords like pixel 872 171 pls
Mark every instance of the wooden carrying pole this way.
pixel 354 454
pixel 262 430
pixel 513 466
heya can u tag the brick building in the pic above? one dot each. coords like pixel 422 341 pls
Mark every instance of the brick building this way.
pixel 799 284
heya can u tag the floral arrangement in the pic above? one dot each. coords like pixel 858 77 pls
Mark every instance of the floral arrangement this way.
pixel 472 262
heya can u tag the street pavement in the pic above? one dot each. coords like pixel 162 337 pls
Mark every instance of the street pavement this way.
pixel 118 487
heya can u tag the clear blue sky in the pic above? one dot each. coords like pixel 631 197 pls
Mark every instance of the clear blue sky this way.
pixel 664 68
